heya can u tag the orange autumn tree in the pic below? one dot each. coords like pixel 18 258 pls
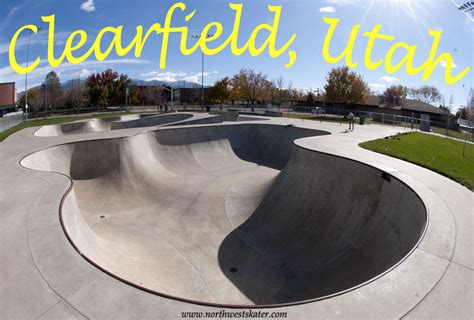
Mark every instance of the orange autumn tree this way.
pixel 344 86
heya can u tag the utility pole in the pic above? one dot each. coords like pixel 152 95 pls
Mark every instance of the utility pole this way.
pixel 202 82
pixel 26 74
pixel 184 94
pixel 46 96
pixel 197 36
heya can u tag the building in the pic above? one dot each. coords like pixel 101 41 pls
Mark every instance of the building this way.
pixel 374 104
pixel 7 97
pixel 155 95
pixel 191 95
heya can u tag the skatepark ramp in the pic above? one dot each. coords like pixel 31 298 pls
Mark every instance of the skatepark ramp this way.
pixel 112 123
pixel 233 215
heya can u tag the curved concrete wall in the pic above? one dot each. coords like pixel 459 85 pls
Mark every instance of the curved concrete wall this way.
pixel 151 121
pixel 113 123
pixel 204 213
pixel 326 225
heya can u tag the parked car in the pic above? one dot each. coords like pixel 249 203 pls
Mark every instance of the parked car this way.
pixel 317 110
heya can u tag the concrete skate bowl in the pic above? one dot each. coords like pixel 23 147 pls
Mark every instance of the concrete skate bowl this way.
pixel 232 215
pixel 112 123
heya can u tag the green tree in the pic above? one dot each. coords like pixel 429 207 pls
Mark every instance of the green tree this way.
pixel 52 91
pixel 345 86
pixel 107 88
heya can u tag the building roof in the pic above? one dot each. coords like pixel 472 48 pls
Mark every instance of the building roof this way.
pixel 419 106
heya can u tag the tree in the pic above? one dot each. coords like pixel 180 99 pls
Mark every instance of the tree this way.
pixel 310 99
pixel 394 95
pixel 427 94
pixel 35 99
pixel 134 95
pixel 280 92
pixel 470 102
pixel 463 113
pixel 251 86
pixel 345 86
pixel 154 95
pixel 220 92
pixel 52 91
pixel 76 96
pixel 107 88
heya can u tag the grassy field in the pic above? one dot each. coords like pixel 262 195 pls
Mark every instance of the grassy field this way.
pixel 438 154
pixel 57 120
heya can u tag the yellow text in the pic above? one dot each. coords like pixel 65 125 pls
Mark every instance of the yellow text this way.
pixel 391 66
pixel 78 39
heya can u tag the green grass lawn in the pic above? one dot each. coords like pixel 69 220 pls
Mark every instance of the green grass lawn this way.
pixel 435 153
pixel 57 120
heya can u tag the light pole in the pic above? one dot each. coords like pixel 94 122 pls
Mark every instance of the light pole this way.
pixel 26 74
pixel 197 36
pixel 171 91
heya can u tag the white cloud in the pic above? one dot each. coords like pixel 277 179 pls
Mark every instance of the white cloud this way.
pixel 167 76
pixel 327 9
pixel 40 38
pixel 67 69
pixel 173 76
pixel 10 15
pixel 443 64
pixel 192 78
pixel 377 86
pixel 389 79
pixel 82 74
pixel 88 6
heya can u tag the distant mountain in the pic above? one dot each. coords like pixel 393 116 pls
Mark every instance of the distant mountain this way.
pixel 145 83
pixel 70 83
pixel 172 84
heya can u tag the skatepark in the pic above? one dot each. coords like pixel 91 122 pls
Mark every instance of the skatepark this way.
pixel 163 214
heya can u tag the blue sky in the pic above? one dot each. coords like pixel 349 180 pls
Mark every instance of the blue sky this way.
pixel 407 20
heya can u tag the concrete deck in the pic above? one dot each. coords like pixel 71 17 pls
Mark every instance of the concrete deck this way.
pixel 44 277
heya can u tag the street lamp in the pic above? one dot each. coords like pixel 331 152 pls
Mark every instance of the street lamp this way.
pixel 197 36
pixel 26 74
pixel 171 91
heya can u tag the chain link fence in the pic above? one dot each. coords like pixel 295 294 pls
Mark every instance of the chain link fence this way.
pixel 9 120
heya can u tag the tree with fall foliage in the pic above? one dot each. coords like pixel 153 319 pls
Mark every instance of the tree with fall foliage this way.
pixel 251 86
pixel 35 99
pixel 344 86
pixel 394 95
pixel 220 91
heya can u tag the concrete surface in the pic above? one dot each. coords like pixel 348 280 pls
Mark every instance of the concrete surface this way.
pixel 199 213
pixel 124 122
pixel 43 276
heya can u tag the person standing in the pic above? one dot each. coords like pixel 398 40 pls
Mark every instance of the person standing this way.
pixel 350 117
